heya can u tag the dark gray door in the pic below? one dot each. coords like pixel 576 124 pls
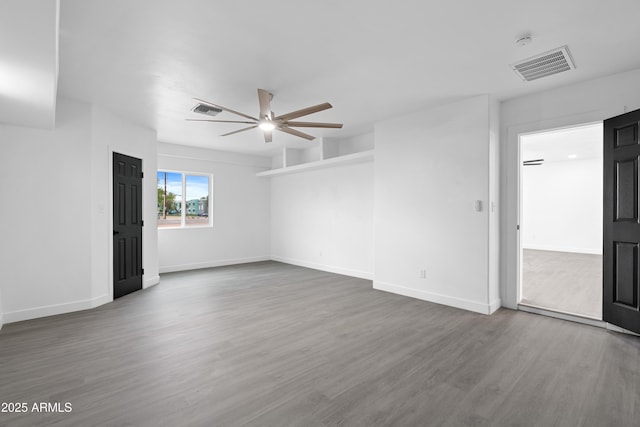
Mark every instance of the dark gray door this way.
pixel 621 225
pixel 127 224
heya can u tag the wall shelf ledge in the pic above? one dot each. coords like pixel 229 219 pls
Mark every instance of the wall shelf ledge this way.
pixel 360 157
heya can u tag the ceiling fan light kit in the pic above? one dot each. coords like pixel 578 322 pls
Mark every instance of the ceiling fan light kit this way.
pixel 267 121
pixel 266 125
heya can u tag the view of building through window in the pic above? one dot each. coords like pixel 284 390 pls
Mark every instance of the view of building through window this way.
pixel 174 210
pixel 197 199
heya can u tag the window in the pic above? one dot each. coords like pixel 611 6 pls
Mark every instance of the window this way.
pixel 176 211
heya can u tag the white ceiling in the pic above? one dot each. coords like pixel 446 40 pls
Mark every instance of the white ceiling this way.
pixel 582 142
pixel 146 59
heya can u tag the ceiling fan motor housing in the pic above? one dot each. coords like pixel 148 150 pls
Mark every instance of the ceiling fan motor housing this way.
pixel 267 120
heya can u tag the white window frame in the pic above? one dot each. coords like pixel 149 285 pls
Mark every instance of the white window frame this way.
pixel 183 202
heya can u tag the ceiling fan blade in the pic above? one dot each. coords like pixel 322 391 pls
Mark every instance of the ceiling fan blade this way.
pixel 533 161
pixel 264 98
pixel 314 125
pixel 296 133
pixel 532 164
pixel 241 130
pixel 224 108
pixel 268 136
pixel 304 112
pixel 219 121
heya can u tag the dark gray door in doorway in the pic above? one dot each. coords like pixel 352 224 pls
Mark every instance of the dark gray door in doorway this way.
pixel 127 225
pixel 621 251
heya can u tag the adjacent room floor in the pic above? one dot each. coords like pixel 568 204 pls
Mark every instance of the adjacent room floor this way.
pixel 271 344
pixel 563 281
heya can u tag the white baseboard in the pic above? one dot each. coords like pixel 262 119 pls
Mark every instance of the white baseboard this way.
pixel 324 267
pixel 101 300
pixel 209 264
pixel 52 310
pixel 464 304
pixel 590 251
pixel 495 305
pixel 150 282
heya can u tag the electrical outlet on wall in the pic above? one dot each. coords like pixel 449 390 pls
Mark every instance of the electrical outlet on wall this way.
pixel 423 274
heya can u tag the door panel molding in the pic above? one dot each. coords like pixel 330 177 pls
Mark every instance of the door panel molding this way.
pixel 626 136
pixel 625 260
pixel 626 190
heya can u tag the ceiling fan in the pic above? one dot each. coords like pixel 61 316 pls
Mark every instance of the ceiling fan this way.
pixel 267 120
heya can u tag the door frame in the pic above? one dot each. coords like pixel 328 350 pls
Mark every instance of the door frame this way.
pixel 520 252
pixel 510 290
pixel 131 153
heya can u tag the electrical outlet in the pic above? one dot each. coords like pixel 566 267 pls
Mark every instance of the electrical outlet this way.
pixel 423 274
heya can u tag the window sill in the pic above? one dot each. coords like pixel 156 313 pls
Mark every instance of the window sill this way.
pixel 185 228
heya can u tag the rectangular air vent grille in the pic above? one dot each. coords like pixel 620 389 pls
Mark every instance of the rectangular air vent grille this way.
pixel 546 64
pixel 206 109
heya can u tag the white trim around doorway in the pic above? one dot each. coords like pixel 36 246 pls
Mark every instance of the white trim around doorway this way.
pixel 511 290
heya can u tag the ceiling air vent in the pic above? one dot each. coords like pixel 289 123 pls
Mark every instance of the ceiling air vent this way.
pixel 553 62
pixel 206 109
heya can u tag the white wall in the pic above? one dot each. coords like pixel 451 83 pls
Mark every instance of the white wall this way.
pixel 430 168
pixel 334 147
pixel 45 222
pixel 356 144
pixel 56 252
pixel 585 102
pixel 240 213
pixel 562 206
pixel 29 62
pixel 323 219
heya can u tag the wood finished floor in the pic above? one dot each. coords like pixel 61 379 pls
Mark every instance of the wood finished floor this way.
pixel 269 344
pixel 563 281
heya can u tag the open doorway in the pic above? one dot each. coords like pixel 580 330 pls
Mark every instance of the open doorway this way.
pixel 561 220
